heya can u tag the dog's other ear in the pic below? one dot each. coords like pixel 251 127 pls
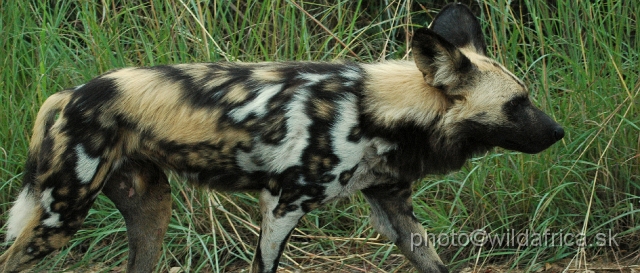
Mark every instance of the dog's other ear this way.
pixel 441 63
pixel 457 24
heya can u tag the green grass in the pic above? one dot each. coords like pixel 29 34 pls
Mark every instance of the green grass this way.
pixel 579 58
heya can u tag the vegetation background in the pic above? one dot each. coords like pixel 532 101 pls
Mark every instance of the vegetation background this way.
pixel 579 58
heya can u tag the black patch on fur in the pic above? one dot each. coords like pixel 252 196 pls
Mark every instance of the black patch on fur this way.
pixel 84 110
pixel 92 95
pixel 442 269
pixel 423 150
pixel 355 134
pixel 275 128
pixel 346 176
pixel 195 91
pixel 30 172
pixel 321 68
pixel 43 159
pixel 457 24
pixel 515 108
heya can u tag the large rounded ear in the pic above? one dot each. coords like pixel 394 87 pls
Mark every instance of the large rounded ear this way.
pixel 457 24
pixel 441 63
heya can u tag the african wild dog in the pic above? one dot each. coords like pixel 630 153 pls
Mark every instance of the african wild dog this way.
pixel 301 133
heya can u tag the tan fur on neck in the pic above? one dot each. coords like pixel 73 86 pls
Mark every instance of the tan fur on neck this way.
pixel 396 91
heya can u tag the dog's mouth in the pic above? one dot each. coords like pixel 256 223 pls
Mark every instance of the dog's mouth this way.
pixel 530 147
pixel 514 146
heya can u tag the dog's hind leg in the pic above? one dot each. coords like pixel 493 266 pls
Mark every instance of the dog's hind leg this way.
pixel 140 190
pixel 392 216
pixel 61 183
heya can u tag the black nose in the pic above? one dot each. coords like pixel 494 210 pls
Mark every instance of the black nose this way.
pixel 558 133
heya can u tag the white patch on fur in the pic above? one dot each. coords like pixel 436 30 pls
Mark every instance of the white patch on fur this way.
pixel 46 200
pixel 314 78
pixel 277 158
pixel 382 146
pixel 86 166
pixel 352 74
pixel 53 220
pixel 445 73
pixel 349 153
pixel 78 87
pixel 258 105
pixel 23 209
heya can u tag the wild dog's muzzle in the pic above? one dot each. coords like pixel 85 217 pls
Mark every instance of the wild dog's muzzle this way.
pixel 532 132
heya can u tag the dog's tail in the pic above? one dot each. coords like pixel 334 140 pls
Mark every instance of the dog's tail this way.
pixel 46 117
pixel 61 182
pixel 26 203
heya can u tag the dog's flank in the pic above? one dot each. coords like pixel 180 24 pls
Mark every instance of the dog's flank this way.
pixel 301 133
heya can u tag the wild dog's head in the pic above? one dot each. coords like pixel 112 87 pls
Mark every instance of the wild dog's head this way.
pixel 489 105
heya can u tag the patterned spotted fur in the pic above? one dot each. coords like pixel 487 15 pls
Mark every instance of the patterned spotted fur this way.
pixel 301 133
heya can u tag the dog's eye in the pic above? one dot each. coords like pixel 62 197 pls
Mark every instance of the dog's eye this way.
pixel 519 101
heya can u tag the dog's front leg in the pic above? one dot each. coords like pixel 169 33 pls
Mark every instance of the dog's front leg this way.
pixel 279 218
pixel 392 216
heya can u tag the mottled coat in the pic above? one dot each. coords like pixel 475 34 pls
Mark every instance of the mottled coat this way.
pixel 302 133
